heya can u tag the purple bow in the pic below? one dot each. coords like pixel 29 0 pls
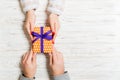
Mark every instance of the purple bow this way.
pixel 42 36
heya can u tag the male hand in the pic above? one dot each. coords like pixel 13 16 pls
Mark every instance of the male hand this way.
pixel 29 64
pixel 30 22
pixel 56 63
pixel 54 24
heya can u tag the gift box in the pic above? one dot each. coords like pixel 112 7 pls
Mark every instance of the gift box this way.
pixel 42 42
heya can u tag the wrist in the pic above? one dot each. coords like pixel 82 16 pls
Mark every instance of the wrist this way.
pixel 58 73
pixel 30 11
pixel 52 14
pixel 22 77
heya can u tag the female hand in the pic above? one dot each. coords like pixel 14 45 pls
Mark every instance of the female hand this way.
pixel 29 64
pixel 54 24
pixel 30 22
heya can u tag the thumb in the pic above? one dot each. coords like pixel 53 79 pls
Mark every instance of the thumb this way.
pixel 31 29
pixel 34 57
pixel 54 35
pixel 52 26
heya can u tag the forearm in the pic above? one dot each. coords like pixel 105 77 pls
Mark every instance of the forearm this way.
pixel 29 5
pixel 56 6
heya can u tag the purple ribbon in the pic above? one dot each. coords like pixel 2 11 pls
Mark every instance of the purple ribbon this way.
pixel 42 36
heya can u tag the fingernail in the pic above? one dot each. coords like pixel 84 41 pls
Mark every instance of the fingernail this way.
pixel 53 42
pixel 53 33
pixel 31 33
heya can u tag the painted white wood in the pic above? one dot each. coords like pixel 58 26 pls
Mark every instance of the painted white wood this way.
pixel 89 39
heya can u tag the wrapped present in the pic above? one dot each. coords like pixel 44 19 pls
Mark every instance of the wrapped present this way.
pixel 42 42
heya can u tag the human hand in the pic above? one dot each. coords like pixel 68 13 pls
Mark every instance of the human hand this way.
pixel 29 64
pixel 56 63
pixel 30 22
pixel 54 24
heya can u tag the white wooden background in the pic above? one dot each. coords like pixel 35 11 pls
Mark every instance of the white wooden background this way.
pixel 89 39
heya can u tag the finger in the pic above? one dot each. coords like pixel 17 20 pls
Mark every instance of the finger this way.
pixel 34 57
pixel 31 37
pixel 54 56
pixel 50 59
pixel 27 25
pixel 31 30
pixel 32 27
pixel 56 27
pixel 30 55
pixel 54 37
pixel 25 57
pixel 56 52
pixel 60 55
pixel 54 49
pixel 52 25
